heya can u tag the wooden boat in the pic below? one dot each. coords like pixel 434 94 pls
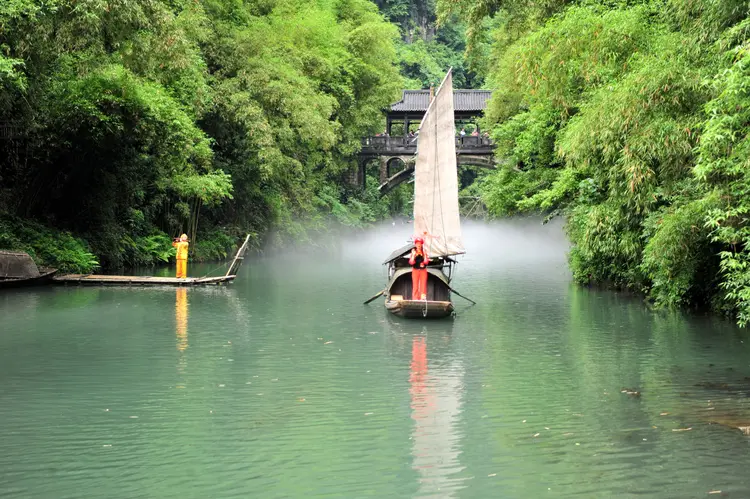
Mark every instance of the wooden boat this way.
pixel 45 277
pixel 436 216
pixel 133 280
pixel 17 269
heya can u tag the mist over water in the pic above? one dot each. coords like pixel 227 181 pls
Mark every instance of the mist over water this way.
pixel 507 247
pixel 283 384
pixel 516 239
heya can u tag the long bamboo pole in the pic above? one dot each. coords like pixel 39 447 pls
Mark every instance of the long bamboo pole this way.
pixel 240 254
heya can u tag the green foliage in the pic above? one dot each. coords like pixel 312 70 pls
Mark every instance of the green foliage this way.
pixel 211 188
pixel 356 212
pixel 215 245
pixel 424 62
pixel 48 247
pixel 630 118
pixel 526 139
pixel 10 74
pixel 296 90
pixel 504 190
pixel 427 49
pixel 351 214
pixel 144 119
pixel 678 251
pixel 147 250
pixel 607 245
pixel 515 16
pixel 722 168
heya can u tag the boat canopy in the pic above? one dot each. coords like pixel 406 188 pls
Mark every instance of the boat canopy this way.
pixel 398 253
pixel 17 265
pixel 403 251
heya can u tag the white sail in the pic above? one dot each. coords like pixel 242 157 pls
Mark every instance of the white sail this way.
pixel 436 177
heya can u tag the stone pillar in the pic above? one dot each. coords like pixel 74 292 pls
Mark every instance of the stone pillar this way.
pixel 356 176
pixel 352 176
pixel 383 169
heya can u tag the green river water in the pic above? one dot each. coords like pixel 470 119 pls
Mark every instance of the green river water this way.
pixel 283 384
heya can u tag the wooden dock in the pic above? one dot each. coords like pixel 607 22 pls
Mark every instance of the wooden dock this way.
pixel 134 280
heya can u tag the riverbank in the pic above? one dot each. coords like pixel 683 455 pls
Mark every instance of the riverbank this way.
pixel 73 253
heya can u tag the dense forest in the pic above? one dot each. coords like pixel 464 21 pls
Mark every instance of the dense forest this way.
pixel 132 121
pixel 631 119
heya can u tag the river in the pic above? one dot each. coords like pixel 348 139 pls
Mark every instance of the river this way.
pixel 283 384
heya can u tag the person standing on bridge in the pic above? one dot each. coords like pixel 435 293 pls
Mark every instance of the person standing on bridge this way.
pixel 419 261
pixel 181 245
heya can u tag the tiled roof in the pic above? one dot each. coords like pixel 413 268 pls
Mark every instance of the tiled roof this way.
pixel 463 100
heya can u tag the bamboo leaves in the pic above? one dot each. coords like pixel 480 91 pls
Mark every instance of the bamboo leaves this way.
pixel 232 113
pixel 633 121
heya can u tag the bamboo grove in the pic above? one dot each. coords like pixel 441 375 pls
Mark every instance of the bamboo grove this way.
pixel 631 119
pixel 135 120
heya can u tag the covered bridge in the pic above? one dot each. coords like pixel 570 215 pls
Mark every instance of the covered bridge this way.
pixel 468 105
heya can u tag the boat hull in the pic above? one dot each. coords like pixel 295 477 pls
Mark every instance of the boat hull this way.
pixel 420 309
pixel 438 304
pixel 44 278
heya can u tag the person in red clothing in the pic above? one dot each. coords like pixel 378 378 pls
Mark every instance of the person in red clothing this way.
pixel 418 262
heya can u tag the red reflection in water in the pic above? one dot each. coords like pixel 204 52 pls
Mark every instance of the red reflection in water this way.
pixel 421 396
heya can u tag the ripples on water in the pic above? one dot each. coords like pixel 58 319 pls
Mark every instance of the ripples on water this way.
pixel 283 385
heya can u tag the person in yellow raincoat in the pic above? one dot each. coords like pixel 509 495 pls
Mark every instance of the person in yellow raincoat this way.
pixel 182 255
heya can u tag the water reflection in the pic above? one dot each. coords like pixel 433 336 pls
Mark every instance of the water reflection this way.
pixel 181 328
pixel 436 406
pixel 181 316
pixel 421 399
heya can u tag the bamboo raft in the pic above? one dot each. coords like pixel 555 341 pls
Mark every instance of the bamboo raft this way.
pixel 134 280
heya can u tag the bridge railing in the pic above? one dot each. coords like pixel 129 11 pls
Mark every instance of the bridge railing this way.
pixel 473 141
pixel 385 143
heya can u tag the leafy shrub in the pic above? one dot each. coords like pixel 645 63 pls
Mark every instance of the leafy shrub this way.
pixel 48 247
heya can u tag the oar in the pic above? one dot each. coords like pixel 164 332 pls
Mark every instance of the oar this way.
pixel 379 293
pixel 462 296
